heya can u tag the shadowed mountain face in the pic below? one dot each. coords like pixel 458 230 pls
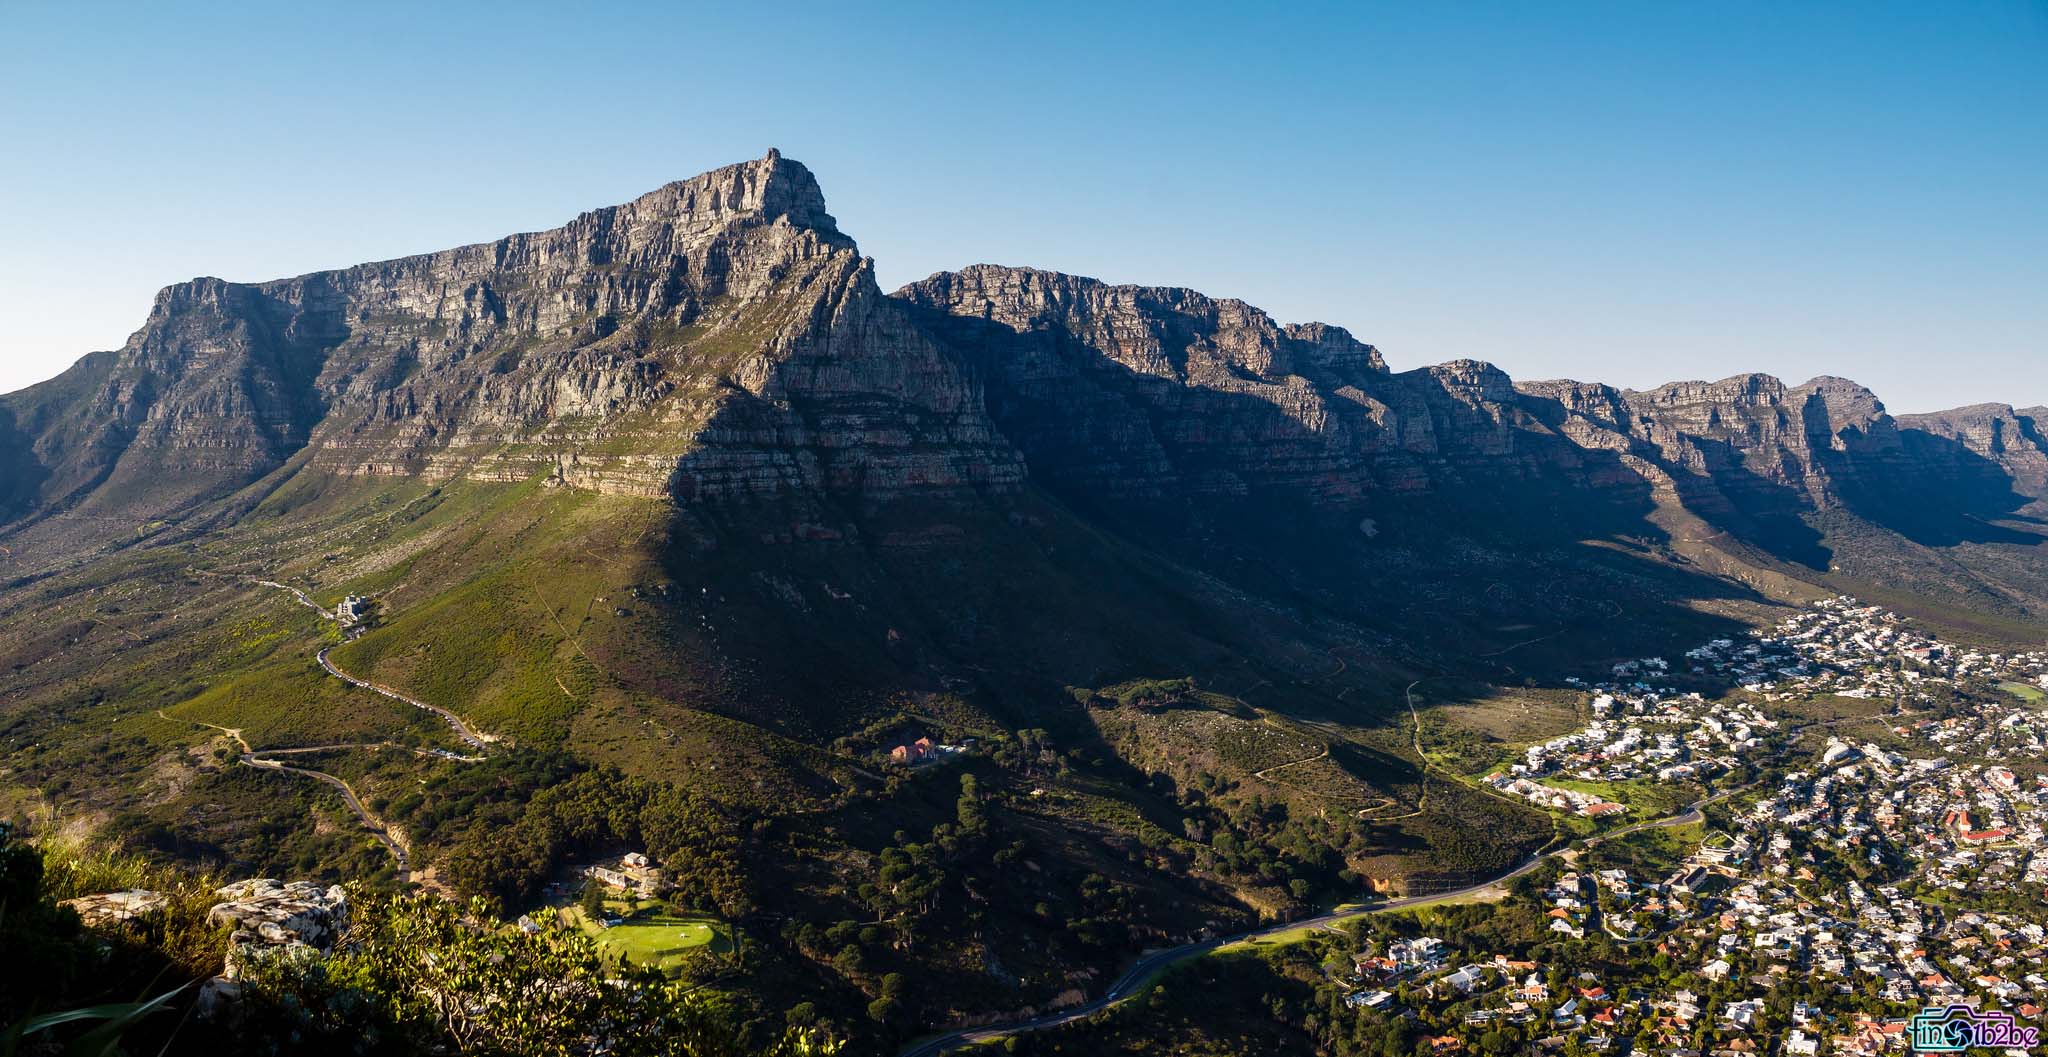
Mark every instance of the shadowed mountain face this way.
pixel 720 343
pixel 1136 396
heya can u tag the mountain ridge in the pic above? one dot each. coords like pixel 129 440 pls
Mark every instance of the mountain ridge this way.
pixel 677 495
pixel 719 339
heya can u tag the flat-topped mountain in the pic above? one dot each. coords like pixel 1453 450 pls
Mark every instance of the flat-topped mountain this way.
pixel 698 524
pixel 719 339
pixel 717 336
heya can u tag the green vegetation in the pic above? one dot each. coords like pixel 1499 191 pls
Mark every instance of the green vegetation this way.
pixel 2032 695
pixel 650 936
pixel 414 974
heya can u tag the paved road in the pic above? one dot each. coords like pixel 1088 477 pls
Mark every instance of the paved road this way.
pixel 462 730
pixel 348 796
pixel 1128 984
pixel 300 595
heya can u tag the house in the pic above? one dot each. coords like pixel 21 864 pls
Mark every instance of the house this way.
pixel 1742 1014
pixel 634 872
pixel 1368 999
pixel 1423 952
pixel 353 609
pixel 1466 979
pixel 915 752
pixel 1689 881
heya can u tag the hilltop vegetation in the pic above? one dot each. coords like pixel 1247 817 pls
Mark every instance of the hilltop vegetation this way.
pixel 412 974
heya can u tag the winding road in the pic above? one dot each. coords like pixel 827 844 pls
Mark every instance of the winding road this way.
pixel 250 757
pixel 474 738
pixel 470 736
pixel 375 825
pixel 1145 967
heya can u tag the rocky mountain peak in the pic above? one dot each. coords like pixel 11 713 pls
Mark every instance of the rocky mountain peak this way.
pixel 717 336
pixel 769 188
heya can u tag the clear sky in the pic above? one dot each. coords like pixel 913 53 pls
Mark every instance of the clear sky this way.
pixel 1628 192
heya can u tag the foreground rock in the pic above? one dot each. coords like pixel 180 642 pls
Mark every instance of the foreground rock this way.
pixel 299 917
pixel 114 908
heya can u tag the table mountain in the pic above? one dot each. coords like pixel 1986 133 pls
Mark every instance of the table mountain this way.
pixel 715 337
pixel 676 490
pixel 719 340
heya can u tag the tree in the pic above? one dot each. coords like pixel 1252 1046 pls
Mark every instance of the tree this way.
pixel 592 900
pixel 418 974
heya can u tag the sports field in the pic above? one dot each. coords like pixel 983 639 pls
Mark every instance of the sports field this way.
pixel 650 936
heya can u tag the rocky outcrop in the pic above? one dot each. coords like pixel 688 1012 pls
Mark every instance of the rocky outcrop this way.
pixel 1752 431
pixel 269 916
pixel 116 908
pixel 717 337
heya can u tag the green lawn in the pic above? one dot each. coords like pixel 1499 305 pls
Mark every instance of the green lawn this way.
pixel 1645 799
pixel 2030 694
pixel 651 936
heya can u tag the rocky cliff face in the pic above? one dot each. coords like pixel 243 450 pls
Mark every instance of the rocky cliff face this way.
pixel 718 337
pixel 1746 446
pixel 1142 394
pixel 1147 393
pixel 1987 442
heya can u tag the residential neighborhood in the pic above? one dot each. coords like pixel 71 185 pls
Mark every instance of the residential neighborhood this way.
pixel 1864 866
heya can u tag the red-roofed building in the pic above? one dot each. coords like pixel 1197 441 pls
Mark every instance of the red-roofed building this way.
pixel 921 749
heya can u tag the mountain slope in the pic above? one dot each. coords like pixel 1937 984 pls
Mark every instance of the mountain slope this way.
pixel 716 337
pixel 676 490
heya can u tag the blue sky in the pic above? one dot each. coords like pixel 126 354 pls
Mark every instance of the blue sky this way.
pixel 1628 192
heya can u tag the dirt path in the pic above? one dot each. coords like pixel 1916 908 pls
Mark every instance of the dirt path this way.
pixel 1323 755
pixel 300 595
